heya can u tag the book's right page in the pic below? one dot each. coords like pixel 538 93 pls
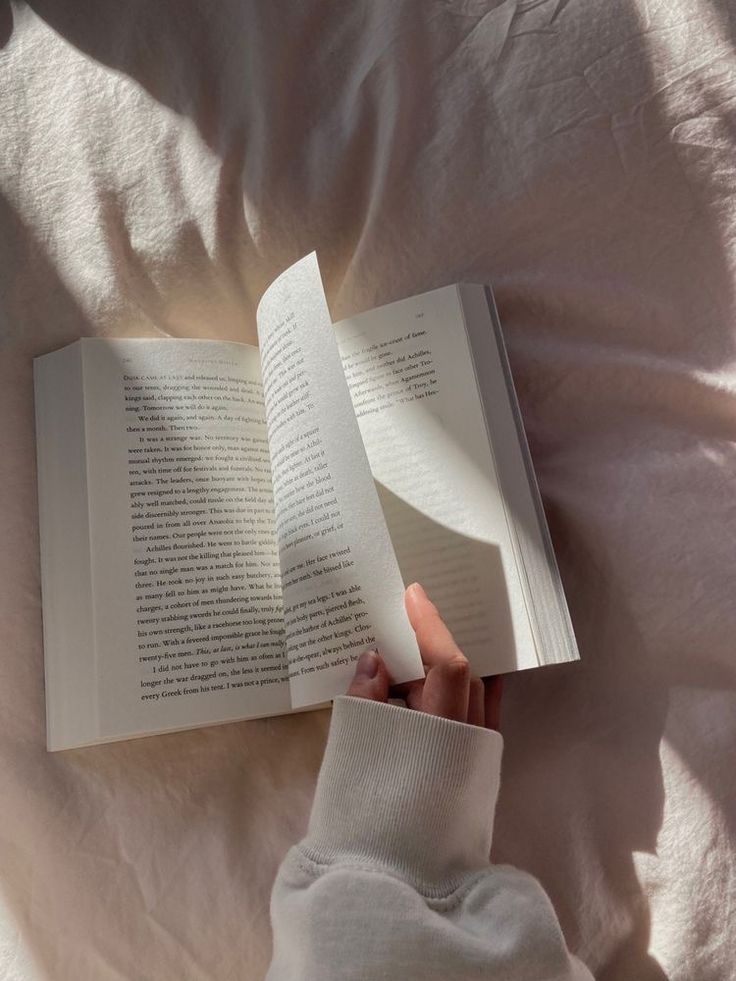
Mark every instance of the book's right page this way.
pixel 452 471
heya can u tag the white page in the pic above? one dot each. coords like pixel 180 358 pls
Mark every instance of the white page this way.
pixel 411 376
pixel 188 616
pixel 68 634
pixel 343 592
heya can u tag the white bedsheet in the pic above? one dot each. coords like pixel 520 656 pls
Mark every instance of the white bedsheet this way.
pixel 159 164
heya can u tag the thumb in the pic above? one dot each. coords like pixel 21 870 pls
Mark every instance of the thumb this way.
pixel 370 679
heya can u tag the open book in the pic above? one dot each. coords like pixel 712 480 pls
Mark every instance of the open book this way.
pixel 225 528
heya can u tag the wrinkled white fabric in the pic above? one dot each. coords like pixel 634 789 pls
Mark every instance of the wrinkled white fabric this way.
pixel 159 164
pixel 392 879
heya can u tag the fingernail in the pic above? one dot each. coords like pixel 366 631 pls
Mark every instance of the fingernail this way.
pixel 367 666
pixel 416 589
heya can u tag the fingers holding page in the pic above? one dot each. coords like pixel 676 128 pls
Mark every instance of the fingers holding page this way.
pixel 447 685
pixel 371 678
pixel 448 690
pixel 436 644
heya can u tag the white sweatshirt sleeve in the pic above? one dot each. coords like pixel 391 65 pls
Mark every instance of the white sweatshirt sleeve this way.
pixel 393 880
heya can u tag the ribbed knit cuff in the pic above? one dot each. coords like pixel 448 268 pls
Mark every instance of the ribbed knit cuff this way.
pixel 405 792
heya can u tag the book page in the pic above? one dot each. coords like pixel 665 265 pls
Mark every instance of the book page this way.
pixel 342 588
pixel 187 596
pixel 411 376
pixel 63 511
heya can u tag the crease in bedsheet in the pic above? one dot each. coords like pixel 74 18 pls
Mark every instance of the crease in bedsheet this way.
pixel 664 391
pixel 485 40
pixel 645 65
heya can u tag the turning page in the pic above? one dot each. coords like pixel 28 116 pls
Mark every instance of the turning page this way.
pixel 342 589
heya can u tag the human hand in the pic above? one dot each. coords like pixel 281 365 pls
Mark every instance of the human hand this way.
pixel 448 690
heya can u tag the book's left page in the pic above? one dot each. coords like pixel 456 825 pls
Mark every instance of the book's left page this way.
pixel 63 518
pixel 183 592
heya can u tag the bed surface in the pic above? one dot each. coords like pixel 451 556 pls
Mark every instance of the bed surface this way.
pixel 159 165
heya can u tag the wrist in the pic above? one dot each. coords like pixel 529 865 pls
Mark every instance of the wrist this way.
pixel 406 792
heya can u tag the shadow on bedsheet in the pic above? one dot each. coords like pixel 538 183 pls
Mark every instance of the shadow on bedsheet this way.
pixel 602 733
pixel 6 22
pixel 34 301
pixel 207 64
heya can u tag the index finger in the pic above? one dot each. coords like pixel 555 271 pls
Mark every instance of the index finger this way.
pixel 436 644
